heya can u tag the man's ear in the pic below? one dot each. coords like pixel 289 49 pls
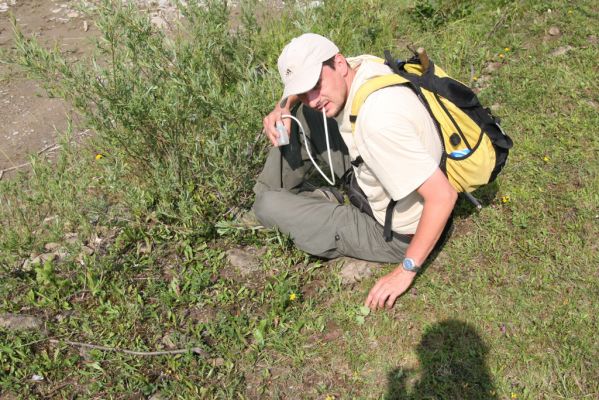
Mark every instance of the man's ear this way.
pixel 341 64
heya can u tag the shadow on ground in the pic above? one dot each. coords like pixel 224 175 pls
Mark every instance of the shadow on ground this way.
pixel 452 364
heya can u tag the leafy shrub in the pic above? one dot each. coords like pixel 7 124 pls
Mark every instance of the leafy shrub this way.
pixel 180 111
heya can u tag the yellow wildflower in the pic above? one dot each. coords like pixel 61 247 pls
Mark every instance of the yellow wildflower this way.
pixel 99 156
pixel 475 78
pixel 570 11
pixel 501 55
pixel 546 159
pixel 505 199
pixel 292 296
pixel 506 49
pixel 514 396
pixel 329 397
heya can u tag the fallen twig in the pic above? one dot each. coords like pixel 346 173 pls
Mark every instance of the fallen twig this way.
pixel 195 350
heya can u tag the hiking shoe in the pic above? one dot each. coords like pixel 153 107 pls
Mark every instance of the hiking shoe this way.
pixel 247 219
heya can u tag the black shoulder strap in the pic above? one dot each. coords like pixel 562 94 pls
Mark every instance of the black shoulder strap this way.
pixel 387 232
pixel 390 61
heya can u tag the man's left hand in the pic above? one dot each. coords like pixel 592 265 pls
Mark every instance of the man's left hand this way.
pixel 389 288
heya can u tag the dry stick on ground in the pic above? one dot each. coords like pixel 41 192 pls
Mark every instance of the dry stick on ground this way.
pixel 195 350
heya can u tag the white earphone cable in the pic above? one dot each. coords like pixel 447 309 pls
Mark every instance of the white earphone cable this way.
pixel 326 132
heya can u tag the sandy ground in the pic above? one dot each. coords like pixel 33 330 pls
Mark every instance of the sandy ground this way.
pixel 31 121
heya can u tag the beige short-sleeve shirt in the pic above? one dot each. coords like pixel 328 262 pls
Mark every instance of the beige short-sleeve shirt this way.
pixel 398 142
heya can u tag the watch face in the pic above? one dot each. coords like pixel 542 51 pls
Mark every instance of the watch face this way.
pixel 409 264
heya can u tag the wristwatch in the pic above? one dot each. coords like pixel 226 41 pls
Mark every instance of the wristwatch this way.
pixel 410 265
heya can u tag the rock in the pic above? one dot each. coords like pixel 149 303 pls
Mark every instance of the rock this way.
pixel 48 257
pixel 49 219
pixel 168 340
pixel 88 251
pixel 157 396
pixel 355 270
pixel 51 246
pixel 495 107
pixel 158 21
pixel 493 66
pixel 71 238
pixel 554 31
pixel 560 51
pixel 26 267
pixel 245 260
pixel 16 322
pixel 73 14
pixel 217 362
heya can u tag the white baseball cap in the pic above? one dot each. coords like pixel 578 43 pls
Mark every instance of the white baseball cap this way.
pixel 300 62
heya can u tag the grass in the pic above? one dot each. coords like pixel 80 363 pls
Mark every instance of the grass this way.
pixel 507 310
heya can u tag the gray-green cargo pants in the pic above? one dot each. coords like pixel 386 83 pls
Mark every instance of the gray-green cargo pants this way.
pixel 316 225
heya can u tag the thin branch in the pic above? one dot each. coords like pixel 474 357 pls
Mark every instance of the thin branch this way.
pixel 195 350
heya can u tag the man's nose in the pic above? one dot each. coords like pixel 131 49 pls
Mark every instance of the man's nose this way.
pixel 312 98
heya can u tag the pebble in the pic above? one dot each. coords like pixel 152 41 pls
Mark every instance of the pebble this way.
pixel 554 31
pixel 51 246
pixel 245 260
pixel 355 270
pixel 560 51
pixel 17 322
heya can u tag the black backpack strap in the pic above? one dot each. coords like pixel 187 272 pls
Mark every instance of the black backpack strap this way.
pixel 357 162
pixel 387 232
pixel 390 61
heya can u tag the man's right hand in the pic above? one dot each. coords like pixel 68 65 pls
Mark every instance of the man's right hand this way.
pixel 281 108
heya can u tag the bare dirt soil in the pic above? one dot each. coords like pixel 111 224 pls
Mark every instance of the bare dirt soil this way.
pixel 30 120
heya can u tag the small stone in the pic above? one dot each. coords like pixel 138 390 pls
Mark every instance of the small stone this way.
pixel 71 238
pixel 554 31
pixel 88 251
pixel 73 14
pixel 560 51
pixel 50 219
pixel 168 340
pixel 85 26
pixel 355 270
pixel 495 107
pixel 16 322
pixel 48 257
pixel 492 67
pixel 26 266
pixel 157 396
pixel 245 260
pixel 218 362
pixel 60 254
pixel 51 246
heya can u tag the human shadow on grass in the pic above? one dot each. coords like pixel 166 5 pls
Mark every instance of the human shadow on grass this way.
pixel 452 363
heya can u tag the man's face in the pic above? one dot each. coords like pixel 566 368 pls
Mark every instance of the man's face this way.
pixel 329 93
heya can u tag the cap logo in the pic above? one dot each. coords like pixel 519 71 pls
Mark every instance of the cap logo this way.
pixel 288 72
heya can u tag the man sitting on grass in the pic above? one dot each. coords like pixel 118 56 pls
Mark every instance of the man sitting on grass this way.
pixel 394 136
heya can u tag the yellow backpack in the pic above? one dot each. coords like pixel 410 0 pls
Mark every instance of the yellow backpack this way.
pixel 475 148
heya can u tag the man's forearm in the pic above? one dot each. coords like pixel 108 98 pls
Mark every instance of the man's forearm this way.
pixel 439 200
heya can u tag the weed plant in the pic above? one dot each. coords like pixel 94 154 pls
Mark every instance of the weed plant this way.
pixel 507 310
